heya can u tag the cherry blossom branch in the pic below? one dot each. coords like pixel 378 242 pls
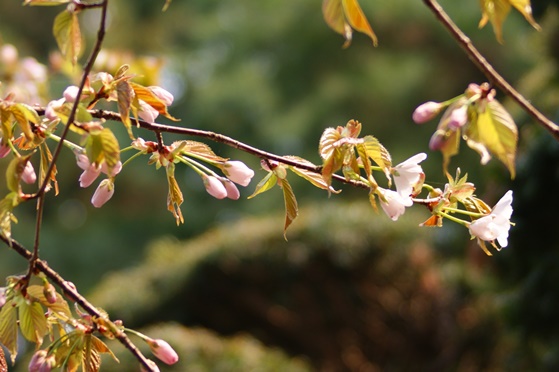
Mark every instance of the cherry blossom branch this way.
pixel 487 69
pixel 220 138
pixel 70 291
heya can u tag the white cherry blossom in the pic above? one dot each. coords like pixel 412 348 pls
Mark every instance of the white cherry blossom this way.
pixel 408 173
pixel 496 225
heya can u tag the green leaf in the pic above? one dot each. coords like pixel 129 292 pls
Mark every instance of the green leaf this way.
pixel 291 208
pixel 60 306
pixel 32 321
pixel 103 145
pixel 8 328
pixel 23 115
pixel 124 98
pixel 66 30
pixel 265 184
pixel 7 206
pixel 378 153
pixel 493 131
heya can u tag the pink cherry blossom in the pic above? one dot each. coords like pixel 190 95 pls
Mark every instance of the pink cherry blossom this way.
pixel 394 204
pixel 496 225
pixel 426 111
pixel 147 112
pixel 408 173
pixel 458 117
pixel 214 187
pixel 165 96
pixel 28 176
pixel 52 106
pixel 71 93
pixel 238 172
pixel 103 193
pixel 163 351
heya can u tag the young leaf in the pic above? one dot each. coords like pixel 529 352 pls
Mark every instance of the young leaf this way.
pixel 291 208
pixel 46 159
pixel 330 153
pixel 60 306
pixel 23 115
pixel 201 151
pixel 494 130
pixel 103 145
pixel 313 177
pixel 450 147
pixel 66 30
pixel 7 206
pixel 496 11
pixel 124 96
pixel 146 95
pixel 343 15
pixel 265 184
pixel 14 171
pixel 32 322
pixel 378 153
pixel 8 328
pixel 174 198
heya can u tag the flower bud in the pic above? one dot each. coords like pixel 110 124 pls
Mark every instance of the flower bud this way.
pixel 50 293
pixel 165 96
pixel 52 106
pixel 214 187
pixel 426 111
pixel 147 112
pixel 163 351
pixel 103 194
pixel 458 117
pixel 438 140
pixel 238 172
pixel 71 93
pixel 28 176
pixel 89 175
pixel 42 362
pixel 2 296
pixel 232 190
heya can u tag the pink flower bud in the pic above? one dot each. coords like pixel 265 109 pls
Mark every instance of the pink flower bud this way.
pixel 103 194
pixel 111 172
pixel 28 176
pixel 71 93
pixel 238 172
pixel 232 190
pixel 458 117
pixel 214 187
pixel 147 112
pixel 2 296
pixel 42 362
pixel 426 111
pixel 163 351
pixel 89 175
pixel 438 140
pixel 52 106
pixel 165 96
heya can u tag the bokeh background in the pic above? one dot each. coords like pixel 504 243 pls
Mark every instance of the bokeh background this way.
pixel 350 289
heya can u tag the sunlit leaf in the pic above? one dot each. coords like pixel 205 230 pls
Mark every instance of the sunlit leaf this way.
pixel 25 114
pixel 450 147
pixel 378 153
pixel 433 221
pixel 345 15
pixel 265 184
pixel 46 160
pixel 291 208
pixel 494 131
pixel 124 100
pixel 60 306
pixel 200 150
pixel 496 11
pixel 14 171
pixel 174 197
pixel 6 122
pixel 8 328
pixel 66 30
pixel 146 95
pixel 7 206
pixel 32 322
pixel 103 145
pixel 102 348
pixel 315 178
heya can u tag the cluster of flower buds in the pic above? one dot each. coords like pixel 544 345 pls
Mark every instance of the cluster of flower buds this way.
pixel 91 171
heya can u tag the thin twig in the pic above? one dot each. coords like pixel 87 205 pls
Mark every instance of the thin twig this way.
pixel 487 69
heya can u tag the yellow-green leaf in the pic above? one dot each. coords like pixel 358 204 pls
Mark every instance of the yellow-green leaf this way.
pixel 7 127
pixel 166 6
pixel 200 150
pixel 291 208
pixel 32 322
pixel 103 145
pixel 357 19
pixel 174 198
pixel 124 99
pixel 496 11
pixel 378 153
pixel 66 30
pixel 333 13
pixel 450 146
pixel 23 115
pixel 494 130
pixel 46 159
pixel 265 184
pixel 8 328
pixel 7 206
pixel 315 178
pixel 60 306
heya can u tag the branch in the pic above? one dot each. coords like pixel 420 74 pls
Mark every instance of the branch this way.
pixel 70 291
pixel 220 138
pixel 485 67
